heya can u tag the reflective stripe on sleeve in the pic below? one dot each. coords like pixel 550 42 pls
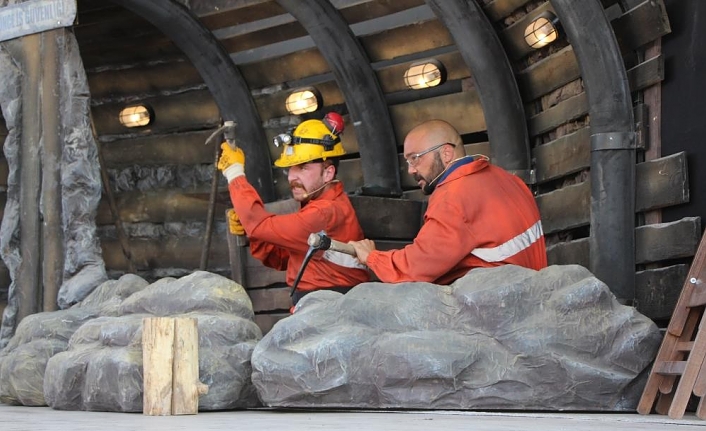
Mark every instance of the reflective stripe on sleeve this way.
pixel 511 247
pixel 343 259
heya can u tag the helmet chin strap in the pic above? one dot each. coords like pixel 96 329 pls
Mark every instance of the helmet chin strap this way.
pixel 307 194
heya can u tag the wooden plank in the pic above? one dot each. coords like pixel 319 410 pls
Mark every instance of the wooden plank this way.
pixel 653 243
pixel 666 241
pixel 186 386
pixel 513 36
pixel 575 252
pixel 662 182
pixel 548 74
pixel 162 206
pixel 636 27
pixel 258 275
pixel 565 155
pixel 461 110
pixel 270 299
pixel 157 360
pixel 646 74
pixel 394 43
pixel 388 218
pixel 571 109
pixel 192 110
pixel 498 9
pixel 151 79
pixel 173 149
pixel 642 24
pixel 566 208
pixel 267 321
pixel 165 252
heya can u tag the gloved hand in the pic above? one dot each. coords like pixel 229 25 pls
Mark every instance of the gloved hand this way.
pixel 232 162
pixel 234 225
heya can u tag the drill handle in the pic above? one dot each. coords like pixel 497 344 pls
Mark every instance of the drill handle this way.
pixel 320 241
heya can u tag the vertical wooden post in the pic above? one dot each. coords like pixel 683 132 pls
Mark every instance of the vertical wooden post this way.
pixel 157 360
pixel 53 237
pixel 29 278
pixel 170 352
pixel 186 386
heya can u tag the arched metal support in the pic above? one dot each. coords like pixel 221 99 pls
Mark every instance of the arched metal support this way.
pixel 490 68
pixel 222 77
pixel 612 238
pixel 361 90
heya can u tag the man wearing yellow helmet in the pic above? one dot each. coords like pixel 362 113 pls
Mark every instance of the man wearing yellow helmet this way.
pixel 310 154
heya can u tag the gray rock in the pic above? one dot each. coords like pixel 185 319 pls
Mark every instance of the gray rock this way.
pixel 89 357
pixel 500 338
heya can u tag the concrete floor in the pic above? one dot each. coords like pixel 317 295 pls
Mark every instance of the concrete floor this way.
pixel 45 419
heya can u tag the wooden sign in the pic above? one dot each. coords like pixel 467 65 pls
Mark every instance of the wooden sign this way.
pixel 35 16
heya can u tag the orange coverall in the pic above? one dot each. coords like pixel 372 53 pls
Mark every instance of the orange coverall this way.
pixel 280 241
pixel 478 216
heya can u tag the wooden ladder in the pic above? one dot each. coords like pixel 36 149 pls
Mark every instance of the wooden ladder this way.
pixel 679 369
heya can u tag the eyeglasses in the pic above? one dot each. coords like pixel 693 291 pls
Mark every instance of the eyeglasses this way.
pixel 413 160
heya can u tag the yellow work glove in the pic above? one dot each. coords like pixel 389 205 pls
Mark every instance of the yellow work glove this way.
pixel 234 225
pixel 232 162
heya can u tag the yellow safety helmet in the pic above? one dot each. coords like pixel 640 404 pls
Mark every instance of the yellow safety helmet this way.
pixel 311 140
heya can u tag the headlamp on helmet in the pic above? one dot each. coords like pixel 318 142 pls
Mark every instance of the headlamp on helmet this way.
pixel 311 140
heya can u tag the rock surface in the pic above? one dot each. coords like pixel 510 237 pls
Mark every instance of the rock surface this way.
pixel 500 338
pixel 89 357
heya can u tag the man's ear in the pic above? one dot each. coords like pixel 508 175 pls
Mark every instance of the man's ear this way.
pixel 329 173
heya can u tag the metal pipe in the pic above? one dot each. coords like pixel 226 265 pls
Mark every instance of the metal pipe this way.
pixel 53 233
pixel 494 80
pixel 361 90
pixel 29 279
pixel 612 240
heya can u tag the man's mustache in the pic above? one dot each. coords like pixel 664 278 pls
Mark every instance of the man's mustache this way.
pixel 296 185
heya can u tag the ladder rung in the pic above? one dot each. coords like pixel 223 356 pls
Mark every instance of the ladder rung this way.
pixel 670 368
pixel 698 297
pixel 685 346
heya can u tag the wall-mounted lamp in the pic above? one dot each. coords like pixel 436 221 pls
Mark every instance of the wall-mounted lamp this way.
pixel 542 31
pixel 136 116
pixel 303 100
pixel 425 74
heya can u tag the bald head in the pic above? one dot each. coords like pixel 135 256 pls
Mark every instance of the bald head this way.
pixel 431 133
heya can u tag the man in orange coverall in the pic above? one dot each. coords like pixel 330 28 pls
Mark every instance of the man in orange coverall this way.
pixel 478 215
pixel 310 154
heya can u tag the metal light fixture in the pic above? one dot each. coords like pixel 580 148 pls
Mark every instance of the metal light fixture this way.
pixel 136 116
pixel 542 31
pixel 303 100
pixel 425 74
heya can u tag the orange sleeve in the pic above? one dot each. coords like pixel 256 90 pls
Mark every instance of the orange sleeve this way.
pixel 438 247
pixel 288 231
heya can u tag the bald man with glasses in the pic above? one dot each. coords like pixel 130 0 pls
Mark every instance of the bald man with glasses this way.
pixel 479 215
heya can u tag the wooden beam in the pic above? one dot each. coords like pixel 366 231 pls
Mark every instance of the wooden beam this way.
pixel 642 24
pixel 176 149
pixel 646 74
pixel 499 9
pixel 388 218
pixel 666 241
pixel 570 109
pixel 653 243
pixel 171 114
pixel 548 74
pixel 270 299
pixel 574 252
pixel 660 183
pixel 563 156
pixel 658 290
pixel 267 321
pixel 566 208
pixel 158 358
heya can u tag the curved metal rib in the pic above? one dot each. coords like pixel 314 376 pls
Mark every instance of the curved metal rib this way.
pixel 484 55
pixel 222 77
pixel 360 88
